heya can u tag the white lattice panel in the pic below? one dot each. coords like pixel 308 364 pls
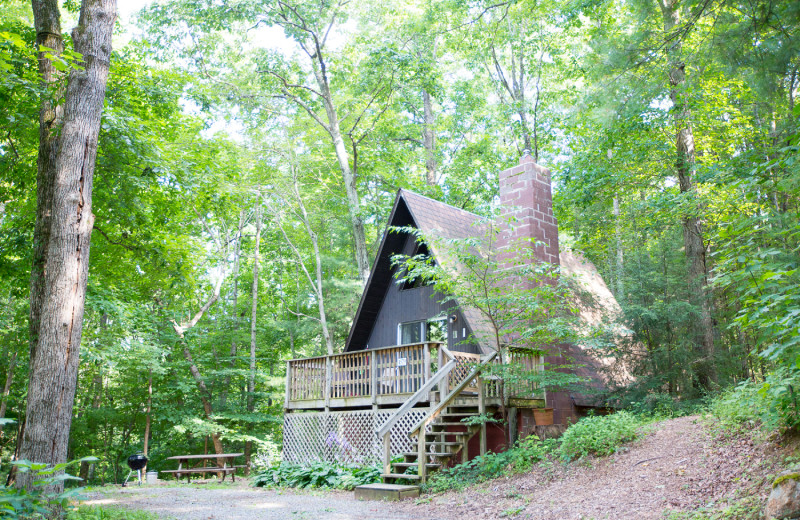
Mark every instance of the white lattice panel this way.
pixel 344 437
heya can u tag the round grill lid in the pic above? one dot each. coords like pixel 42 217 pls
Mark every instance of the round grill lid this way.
pixel 137 462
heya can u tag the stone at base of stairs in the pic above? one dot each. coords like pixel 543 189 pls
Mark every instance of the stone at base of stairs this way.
pixel 390 492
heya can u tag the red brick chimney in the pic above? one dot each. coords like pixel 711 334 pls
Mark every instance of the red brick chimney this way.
pixel 527 215
pixel 527 210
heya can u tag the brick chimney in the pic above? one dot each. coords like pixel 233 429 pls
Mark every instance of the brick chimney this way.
pixel 527 210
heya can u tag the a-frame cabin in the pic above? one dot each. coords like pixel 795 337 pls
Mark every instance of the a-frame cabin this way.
pixel 413 361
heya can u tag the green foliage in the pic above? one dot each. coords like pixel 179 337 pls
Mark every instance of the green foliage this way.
pixel 316 475
pixel 772 403
pixel 522 457
pixel 38 500
pixel 664 406
pixel 599 435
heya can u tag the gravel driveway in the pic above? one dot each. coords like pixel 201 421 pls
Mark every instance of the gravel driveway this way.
pixel 199 502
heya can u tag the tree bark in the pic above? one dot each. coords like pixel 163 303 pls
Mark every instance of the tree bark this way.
pixel 65 266
pixel 694 247
pixel 47 22
pixel 251 382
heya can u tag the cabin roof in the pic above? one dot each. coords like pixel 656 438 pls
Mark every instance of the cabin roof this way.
pixel 435 218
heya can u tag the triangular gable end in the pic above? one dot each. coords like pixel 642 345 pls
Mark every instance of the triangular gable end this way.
pixel 428 215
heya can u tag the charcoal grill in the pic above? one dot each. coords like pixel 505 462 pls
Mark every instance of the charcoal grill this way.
pixel 137 463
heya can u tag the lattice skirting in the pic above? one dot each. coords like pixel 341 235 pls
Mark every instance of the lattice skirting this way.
pixel 344 437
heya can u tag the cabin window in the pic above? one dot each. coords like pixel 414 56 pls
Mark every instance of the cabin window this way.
pixel 415 331
pixel 410 332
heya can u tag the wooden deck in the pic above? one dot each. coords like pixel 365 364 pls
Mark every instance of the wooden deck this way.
pixel 384 377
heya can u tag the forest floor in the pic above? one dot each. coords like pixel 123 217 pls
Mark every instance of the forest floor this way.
pixel 678 465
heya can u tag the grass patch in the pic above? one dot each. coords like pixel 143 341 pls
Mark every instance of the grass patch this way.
pixel 108 513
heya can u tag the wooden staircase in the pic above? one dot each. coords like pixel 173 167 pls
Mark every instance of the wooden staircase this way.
pixel 441 432
pixel 447 440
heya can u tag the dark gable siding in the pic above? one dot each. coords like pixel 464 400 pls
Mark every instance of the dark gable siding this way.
pixel 400 306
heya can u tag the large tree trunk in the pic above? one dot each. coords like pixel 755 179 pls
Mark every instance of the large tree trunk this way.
pixel 692 226
pixel 47 22
pixel 54 359
pixel 251 381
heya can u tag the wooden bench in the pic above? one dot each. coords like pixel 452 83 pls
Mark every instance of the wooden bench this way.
pixel 203 467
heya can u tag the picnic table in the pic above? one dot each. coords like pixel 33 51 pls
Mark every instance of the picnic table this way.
pixel 188 464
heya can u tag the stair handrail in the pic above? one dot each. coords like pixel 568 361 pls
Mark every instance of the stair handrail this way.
pixel 385 430
pixel 419 429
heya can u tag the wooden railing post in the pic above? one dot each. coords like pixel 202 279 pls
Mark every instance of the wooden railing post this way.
pixel 426 365
pixel 373 377
pixel 328 379
pixel 288 384
pixel 422 458
pixel 387 452
pixel 481 411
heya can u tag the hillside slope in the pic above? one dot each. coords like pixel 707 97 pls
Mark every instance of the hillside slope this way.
pixel 678 465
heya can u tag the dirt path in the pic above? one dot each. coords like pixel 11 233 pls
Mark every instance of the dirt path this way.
pixel 198 502
pixel 678 466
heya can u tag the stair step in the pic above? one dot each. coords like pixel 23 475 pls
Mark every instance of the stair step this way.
pixel 385 492
pixel 441 443
pixel 445 434
pixel 449 424
pixel 399 475
pixel 429 465
pixel 429 454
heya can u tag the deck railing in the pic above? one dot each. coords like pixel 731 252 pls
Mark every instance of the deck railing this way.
pixel 376 376
pixel 390 375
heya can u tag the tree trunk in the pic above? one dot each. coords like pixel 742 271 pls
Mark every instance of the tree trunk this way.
pixel 353 204
pixel 429 138
pixel 251 382
pixel 47 22
pixel 692 227
pixel 205 398
pixel 12 364
pixel 619 256
pixel 223 397
pixel 148 416
pixel 205 394
pixel 97 387
pixel 54 360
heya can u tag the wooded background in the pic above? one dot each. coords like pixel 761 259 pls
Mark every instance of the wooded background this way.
pixel 250 151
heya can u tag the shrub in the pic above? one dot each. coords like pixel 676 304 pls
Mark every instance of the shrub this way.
pixel 39 500
pixel 773 403
pixel 599 435
pixel 316 475
pixel 525 453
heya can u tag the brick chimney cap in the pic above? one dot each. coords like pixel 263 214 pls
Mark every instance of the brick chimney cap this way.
pixel 526 157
